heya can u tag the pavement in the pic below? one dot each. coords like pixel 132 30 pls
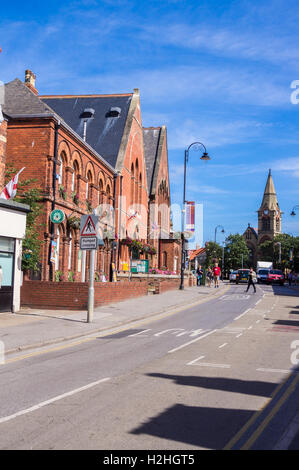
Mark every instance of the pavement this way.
pixel 33 328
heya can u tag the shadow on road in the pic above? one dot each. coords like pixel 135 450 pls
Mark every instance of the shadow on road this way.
pixel 205 427
pixel 285 290
pixel 253 387
pixel 209 428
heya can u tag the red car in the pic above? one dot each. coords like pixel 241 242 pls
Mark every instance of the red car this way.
pixel 275 276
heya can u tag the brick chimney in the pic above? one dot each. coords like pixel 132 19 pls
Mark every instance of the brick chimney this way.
pixel 30 81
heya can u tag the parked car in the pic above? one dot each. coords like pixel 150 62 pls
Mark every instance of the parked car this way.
pixel 262 275
pixel 242 275
pixel 233 276
pixel 275 276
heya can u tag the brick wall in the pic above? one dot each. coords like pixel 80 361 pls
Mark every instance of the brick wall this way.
pixel 74 295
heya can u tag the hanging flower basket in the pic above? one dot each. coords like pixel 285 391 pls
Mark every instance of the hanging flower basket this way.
pixel 149 249
pixel 73 222
pixel 127 242
pixel 62 192
pixel 75 197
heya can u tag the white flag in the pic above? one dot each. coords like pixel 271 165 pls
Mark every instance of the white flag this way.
pixel 10 189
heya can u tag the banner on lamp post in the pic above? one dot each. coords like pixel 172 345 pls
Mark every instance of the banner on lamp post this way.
pixel 190 216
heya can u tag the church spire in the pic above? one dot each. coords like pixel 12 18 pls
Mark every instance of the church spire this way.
pixel 269 198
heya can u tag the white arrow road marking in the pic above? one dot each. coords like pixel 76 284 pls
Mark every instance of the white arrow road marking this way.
pixel 52 400
pixel 170 329
pixel 191 342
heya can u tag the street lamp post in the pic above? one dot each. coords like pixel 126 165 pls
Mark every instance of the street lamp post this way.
pixel 204 157
pixel 223 244
pixel 293 213
pixel 279 244
pixel 222 231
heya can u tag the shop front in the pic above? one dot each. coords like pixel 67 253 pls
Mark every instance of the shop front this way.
pixel 12 232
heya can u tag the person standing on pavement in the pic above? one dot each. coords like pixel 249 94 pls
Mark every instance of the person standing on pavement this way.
pixel 1 276
pixel 209 276
pixel 199 274
pixel 251 277
pixel 216 273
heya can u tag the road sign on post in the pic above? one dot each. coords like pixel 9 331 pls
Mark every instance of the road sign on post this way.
pixel 88 241
pixel 89 225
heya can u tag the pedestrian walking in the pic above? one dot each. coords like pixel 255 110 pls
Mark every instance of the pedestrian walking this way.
pixel 216 274
pixel 199 274
pixel 294 278
pixel 1 276
pixel 251 277
pixel 290 278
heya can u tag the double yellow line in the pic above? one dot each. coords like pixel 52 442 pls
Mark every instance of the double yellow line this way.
pixel 265 422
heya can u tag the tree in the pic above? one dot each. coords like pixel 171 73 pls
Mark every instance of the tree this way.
pixel 213 253
pixel 28 194
pixel 269 251
pixel 235 252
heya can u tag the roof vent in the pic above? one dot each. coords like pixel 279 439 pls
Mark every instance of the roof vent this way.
pixel 87 113
pixel 114 112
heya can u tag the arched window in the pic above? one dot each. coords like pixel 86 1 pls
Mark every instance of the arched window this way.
pixel 70 251
pixel 140 188
pixel 61 172
pixel 57 249
pixel 266 224
pixel 75 176
pixel 164 259
pixel 136 193
pixel 108 193
pixel 88 187
pixel 101 189
pixel 132 184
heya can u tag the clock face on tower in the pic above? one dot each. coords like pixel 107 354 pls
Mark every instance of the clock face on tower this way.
pixel 266 212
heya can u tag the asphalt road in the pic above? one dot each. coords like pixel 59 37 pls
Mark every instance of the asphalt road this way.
pixel 190 380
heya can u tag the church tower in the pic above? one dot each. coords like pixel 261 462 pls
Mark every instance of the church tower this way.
pixel 269 214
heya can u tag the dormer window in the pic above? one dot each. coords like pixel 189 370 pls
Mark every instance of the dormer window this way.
pixel 114 111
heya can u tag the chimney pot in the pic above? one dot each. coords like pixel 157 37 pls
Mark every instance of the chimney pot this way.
pixel 30 81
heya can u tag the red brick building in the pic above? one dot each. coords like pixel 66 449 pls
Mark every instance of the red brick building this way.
pixel 3 139
pixel 86 151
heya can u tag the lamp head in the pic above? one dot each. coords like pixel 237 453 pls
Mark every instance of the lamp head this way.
pixel 293 213
pixel 205 157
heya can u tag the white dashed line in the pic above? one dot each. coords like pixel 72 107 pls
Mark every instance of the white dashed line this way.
pixel 52 400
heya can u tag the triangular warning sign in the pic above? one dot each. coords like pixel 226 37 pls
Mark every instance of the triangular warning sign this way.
pixel 89 229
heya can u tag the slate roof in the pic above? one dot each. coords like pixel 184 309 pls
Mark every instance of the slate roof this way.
pixel 19 100
pixel 151 137
pixel 104 130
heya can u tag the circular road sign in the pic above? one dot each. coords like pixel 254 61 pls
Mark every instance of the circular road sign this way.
pixel 57 216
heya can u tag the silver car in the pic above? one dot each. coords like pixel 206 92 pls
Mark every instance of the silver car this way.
pixel 262 275
pixel 232 276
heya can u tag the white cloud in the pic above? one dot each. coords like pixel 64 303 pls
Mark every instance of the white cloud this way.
pixel 290 165
pixel 215 133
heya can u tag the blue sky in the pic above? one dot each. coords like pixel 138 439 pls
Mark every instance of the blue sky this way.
pixel 218 73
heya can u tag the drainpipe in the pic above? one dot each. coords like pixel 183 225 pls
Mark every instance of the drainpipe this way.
pixel 54 177
pixel 119 217
pixel 113 244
